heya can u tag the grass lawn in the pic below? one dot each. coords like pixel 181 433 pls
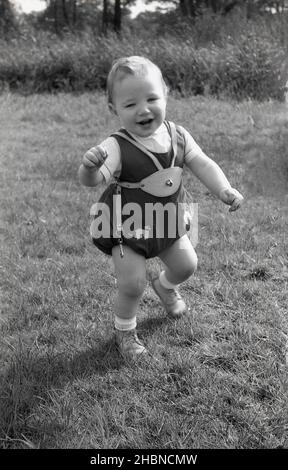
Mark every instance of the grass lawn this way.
pixel 222 378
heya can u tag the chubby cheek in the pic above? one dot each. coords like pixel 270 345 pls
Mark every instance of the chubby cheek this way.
pixel 127 118
pixel 161 115
pixel 162 109
pixel 122 116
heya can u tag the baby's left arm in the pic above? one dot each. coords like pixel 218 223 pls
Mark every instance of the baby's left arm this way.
pixel 211 175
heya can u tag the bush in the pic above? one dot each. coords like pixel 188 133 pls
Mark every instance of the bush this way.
pixel 250 67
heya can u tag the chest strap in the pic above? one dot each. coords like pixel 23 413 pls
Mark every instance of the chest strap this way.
pixel 162 183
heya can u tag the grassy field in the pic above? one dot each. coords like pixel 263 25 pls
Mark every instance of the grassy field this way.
pixel 222 378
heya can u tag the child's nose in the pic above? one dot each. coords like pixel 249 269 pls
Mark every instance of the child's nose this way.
pixel 143 108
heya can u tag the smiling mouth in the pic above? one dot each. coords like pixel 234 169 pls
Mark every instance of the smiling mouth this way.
pixel 145 122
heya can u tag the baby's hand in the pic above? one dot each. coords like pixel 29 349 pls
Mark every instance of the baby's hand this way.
pixel 94 158
pixel 231 197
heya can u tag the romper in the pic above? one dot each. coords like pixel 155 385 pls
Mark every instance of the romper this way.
pixel 150 234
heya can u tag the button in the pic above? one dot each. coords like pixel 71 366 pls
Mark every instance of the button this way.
pixel 169 182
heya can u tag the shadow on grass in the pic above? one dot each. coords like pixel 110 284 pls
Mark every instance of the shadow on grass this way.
pixel 31 379
pixel 153 323
pixel 36 376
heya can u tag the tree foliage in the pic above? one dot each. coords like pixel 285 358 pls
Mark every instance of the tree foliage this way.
pixel 62 14
pixel 192 8
pixel 100 15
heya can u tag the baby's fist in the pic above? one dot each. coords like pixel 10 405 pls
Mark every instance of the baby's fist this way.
pixel 94 158
pixel 232 197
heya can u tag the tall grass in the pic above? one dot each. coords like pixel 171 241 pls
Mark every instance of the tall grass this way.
pixel 220 378
pixel 251 63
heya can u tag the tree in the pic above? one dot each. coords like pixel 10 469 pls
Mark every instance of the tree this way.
pixel 113 14
pixel 65 13
pixel 117 23
pixel 7 18
pixel 105 17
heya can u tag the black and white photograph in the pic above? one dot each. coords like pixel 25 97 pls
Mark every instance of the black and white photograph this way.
pixel 143 232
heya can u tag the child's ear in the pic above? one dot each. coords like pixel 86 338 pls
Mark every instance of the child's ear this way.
pixel 112 109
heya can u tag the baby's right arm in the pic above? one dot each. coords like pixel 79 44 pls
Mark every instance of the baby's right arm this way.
pixel 92 160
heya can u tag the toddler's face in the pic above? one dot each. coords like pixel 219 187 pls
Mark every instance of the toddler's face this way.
pixel 140 103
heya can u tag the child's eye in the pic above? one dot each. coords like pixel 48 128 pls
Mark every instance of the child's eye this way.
pixel 152 99
pixel 129 105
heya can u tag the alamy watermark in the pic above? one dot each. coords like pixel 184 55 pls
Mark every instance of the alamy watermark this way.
pixel 156 220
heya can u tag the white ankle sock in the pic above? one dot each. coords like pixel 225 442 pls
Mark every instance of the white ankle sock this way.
pixel 165 283
pixel 124 324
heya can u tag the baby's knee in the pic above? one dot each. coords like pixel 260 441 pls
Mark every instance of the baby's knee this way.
pixel 133 287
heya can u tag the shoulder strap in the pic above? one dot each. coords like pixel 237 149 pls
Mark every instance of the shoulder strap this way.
pixel 140 147
pixel 173 134
pixel 172 131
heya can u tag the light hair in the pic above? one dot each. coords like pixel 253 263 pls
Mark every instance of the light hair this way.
pixel 134 65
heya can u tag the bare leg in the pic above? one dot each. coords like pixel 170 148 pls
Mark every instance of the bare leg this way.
pixel 180 261
pixel 131 279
